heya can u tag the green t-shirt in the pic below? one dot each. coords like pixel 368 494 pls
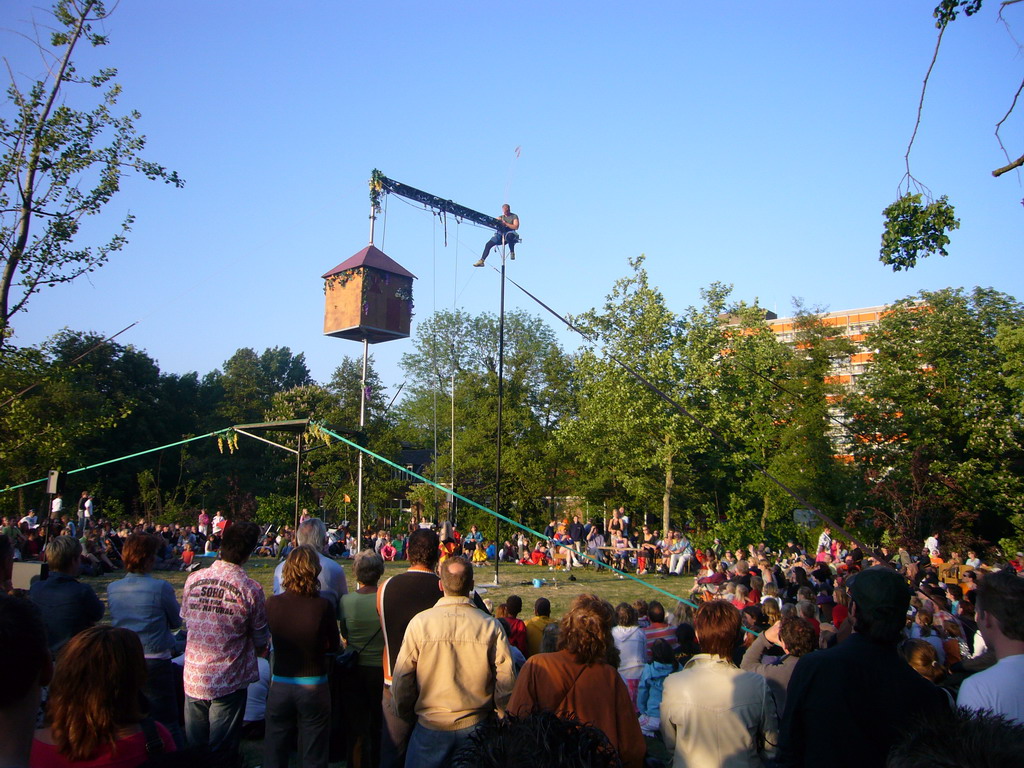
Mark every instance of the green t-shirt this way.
pixel 360 625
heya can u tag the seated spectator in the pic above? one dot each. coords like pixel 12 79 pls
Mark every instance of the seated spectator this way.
pixel 796 638
pixel 517 627
pixel 648 698
pixel 921 655
pixel 535 626
pixel 68 606
pixel 93 722
pixel 659 628
pixel 631 645
pixel 22 638
pixel 254 721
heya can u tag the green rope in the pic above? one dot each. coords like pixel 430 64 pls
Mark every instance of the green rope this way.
pixel 123 458
pixel 500 516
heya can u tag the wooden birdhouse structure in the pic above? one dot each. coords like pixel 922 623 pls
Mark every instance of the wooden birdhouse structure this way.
pixel 369 297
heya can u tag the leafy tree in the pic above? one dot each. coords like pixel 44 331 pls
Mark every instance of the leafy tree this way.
pixel 940 426
pixel 627 438
pixel 916 224
pixel 61 165
pixel 457 345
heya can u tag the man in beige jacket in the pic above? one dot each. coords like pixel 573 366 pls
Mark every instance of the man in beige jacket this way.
pixel 454 670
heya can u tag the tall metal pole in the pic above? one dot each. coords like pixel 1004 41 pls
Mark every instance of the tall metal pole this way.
pixel 298 475
pixel 501 397
pixel 362 423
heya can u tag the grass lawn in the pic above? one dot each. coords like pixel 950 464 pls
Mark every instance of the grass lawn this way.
pixel 512 579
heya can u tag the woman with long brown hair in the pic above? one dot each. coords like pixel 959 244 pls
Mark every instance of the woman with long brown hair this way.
pixel 581 679
pixel 94 711
pixel 304 629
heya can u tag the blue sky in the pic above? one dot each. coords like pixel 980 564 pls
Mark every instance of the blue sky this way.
pixel 752 143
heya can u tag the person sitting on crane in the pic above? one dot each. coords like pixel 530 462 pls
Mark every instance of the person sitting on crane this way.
pixel 508 223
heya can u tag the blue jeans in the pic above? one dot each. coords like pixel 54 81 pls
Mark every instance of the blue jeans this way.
pixel 216 723
pixel 307 707
pixel 434 749
pixel 508 238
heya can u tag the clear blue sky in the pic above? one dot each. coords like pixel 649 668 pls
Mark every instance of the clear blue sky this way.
pixel 752 143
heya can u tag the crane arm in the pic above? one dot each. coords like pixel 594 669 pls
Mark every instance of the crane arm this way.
pixel 381 183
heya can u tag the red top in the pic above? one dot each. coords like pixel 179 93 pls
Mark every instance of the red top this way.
pixel 517 636
pixel 128 753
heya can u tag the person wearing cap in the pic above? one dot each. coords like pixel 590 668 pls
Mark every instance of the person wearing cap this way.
pixel 861 687
pixel 999 609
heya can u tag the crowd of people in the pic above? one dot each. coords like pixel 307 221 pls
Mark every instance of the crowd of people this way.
pixel 784 658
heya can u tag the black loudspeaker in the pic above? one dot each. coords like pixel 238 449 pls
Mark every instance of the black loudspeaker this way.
pixel 55 481
pixel 25 574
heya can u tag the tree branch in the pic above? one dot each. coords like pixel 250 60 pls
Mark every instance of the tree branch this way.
pixel 920 103
pixel 1015 164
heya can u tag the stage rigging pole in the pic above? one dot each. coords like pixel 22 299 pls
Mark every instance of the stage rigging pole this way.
pixel 501 397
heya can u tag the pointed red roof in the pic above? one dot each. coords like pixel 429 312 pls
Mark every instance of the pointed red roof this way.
pixel 371 256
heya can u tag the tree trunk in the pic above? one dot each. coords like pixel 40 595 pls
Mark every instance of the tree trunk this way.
pixel 666 521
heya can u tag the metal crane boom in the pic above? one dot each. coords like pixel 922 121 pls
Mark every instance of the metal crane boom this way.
pixel 380 182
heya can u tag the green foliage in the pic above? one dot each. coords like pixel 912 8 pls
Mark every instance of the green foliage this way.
pixel 941 441
pixel 60 165
pixel 947 10
pixel 914 230
pixel 275 509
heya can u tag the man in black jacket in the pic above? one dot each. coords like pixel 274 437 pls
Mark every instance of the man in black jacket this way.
pixel 848 706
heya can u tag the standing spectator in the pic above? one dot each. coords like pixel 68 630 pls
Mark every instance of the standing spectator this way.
pixel 453 640
pixel 57 506
pixel 81 510
pixel 825 540
pixel 862 683
pixel 631 644
pixel 97 721
pixel 23 640
pixel 225 613
pixel 999 609
pixel 577 679
pixel 711 712
pixel 360 626
pixel 148 607
pixel 88 511
pixel 68 606
pixel 204 522
pixel 313 533
pixel 399 599
pixel 304 629
pixel 535 626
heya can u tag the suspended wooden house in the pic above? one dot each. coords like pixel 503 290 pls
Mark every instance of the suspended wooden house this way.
pixel 369 298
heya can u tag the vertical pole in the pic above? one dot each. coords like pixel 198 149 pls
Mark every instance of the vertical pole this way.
pixel 362 423
pixel 451 496
pixel 501 397
pixel 298 473
pixel 373 218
